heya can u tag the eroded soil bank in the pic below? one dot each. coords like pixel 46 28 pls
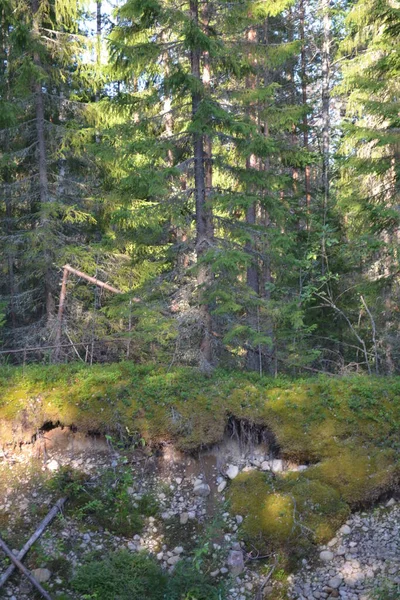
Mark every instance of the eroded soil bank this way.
pixel 178 507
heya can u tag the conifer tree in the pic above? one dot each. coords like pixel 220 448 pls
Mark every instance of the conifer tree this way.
pixel 42 80
pixel 369 185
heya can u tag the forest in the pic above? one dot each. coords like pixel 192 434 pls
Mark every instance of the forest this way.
pixel 199 299
pixel 230 168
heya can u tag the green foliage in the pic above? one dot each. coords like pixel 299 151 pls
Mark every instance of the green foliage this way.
pixel 134 577
pixel 107 502
pixel 121 575
pixel 386 590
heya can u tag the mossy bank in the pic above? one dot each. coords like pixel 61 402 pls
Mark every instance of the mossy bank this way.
pixel 347 430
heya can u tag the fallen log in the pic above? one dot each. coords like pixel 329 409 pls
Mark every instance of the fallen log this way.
pixel 23 570
pixel 35 536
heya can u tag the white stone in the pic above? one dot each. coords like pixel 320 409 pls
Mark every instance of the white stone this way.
pixel 178 550
pixel 184 518
pixel 391 502
pixel 239 519
pixel 173 560
pixel 232 471
pixel 265 465
pixel 326 555
pixel 222 486
pixel 202 490
pixel 53 465
pixel 41 575
pixel 345 530
pixel 235 562
pixel 277 465
pixel 335 582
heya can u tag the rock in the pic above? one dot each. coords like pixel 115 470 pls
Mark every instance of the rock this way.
pixel 184 518
pixel 265 466
pixel 277 465
pixel 53 465
pixel 235 562
pixel 232 471
pixel 203 489
pixel 191 515
pixel 178 550
pixel 41 575
pixel 341 551
pixel 239 519
pixel 326 555
pixel 391 502
pixel 332 542
pixel 173 560
pixel 335 582
pixel 178 480
pixel 345 530
pixel 222 486
pixel 214 573
pixel 160 555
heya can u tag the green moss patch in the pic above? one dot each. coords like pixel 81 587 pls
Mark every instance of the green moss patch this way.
pixel 287 513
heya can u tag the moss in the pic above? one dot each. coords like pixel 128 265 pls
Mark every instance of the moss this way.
pixel 360 475
pixel 286 513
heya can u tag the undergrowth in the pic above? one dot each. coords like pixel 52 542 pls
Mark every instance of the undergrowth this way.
pixel 105 501
pixel 137 576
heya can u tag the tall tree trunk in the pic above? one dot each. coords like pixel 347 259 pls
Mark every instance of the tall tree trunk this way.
pixel 44 196
pixel 7 179
pixel 326 121
pixel 252 277
pixel 206 77
pixel 307 174
pixel 204 222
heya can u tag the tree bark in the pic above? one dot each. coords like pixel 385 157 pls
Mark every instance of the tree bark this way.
pixel 44 195
pixel 326 121
pixel 204 222
pixel 303 57
pixel 253 355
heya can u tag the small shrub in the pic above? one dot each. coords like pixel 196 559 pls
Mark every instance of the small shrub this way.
pixel 121 575
pixel 386 590
pixel 187 583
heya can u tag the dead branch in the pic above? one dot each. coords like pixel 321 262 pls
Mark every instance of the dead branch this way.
pixel 371 318
pixel 35 536
pixel 24 570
